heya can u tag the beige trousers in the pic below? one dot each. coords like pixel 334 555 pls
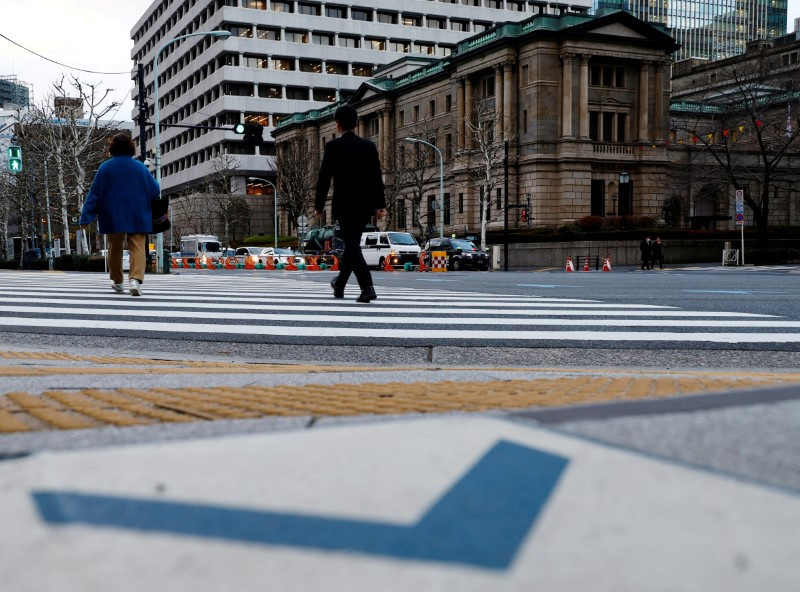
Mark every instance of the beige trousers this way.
pixel 136 246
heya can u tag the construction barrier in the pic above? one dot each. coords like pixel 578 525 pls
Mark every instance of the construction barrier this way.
pixel 607 263
pixel 422 266
pixel 387 264
pixel 586 264
pixel 569 266
pixel 335 266
pixel 438 261
pixel 230 263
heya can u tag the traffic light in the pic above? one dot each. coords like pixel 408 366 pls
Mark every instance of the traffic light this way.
pixel 15 159
pixel 523 215
pixel 253 133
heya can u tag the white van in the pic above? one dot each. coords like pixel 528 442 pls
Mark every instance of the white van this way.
pixel 196 246
pixel 399 247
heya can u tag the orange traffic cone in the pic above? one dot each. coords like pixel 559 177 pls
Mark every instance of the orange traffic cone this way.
pixel 607 264
pixel 422 266
pixel 569 267
pixel 586 265
pixel 387 264
pixel 335 266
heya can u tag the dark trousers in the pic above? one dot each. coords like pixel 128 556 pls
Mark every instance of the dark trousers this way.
pixel 353 258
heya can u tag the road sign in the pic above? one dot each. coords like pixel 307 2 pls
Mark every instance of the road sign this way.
pixel 740 194
pixel 739 207
pixel 739 218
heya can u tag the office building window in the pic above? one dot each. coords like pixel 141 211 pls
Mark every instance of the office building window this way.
pixel 234 89
pixel 400 46
pixel 358 14
pixel 251 61
pixel 309 9
pixel 362 69
pixel 432 107
pixel 448 102
pixel 387 17
pixel 240 30
pixel 258 118
pixel 255 4
pixel 314 66
pixel 297 36
pixel 335 11
pixel 412 20
pixel 327 95
pixel 610 76
pixel 376 44
pixel 268 33
pixel 348 41
pixel 436 22
pixel 425 48
pixel 336 68
pixel 444 50
pixel 282 6
pixel 297 93
pixel 283 63
pixel 322 38
pixel 267 91
pixel 460 203
pixel 458 25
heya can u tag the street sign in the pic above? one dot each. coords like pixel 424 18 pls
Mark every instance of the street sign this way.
pixel 739 218
pixel 739 194
pixel 739 208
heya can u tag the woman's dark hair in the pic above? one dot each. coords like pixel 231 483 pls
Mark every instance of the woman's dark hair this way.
pixel 121 144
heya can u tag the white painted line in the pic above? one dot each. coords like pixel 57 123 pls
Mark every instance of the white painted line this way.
pixel 427 334
pixel 246 315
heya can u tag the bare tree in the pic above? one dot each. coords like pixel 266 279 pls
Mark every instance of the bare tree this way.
pixel 483 156
pixel 228 204
pixel 296 166
pixel 747 129
pixel 416 172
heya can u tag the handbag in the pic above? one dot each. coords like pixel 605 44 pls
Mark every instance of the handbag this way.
pixel 160 209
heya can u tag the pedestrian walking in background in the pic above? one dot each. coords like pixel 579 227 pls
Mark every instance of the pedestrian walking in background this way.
pixel 658 253
pixel 120 199
pixel 646 247
pixel 352 163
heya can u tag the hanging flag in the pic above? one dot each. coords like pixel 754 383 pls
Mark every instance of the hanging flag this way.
pixel 725 133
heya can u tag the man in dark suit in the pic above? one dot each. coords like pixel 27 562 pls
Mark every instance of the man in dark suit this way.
pixel 353 165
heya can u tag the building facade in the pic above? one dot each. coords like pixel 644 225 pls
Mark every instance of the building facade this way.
pixel 576 105
pixel 284 56
pixel 709 29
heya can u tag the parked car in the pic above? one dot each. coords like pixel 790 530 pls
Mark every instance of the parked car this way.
pixel 398 247
pixel 243 254
pixel 283 255
pixel 461 253
pixel 126 258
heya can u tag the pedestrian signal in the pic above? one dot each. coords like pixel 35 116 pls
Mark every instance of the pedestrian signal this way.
pixel 523 215
pixel 15 159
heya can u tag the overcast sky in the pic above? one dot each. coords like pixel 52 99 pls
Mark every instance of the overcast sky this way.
pixel 87 34
pixel 92 35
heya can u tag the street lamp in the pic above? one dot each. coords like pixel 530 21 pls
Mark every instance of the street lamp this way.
pixel 441 181
pixel 157 115
pixel 275 209
pixel 614 205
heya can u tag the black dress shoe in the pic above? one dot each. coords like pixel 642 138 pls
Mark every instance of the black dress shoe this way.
pixel 338 292
pixel 367 294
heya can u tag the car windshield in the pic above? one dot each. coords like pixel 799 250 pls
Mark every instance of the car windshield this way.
pixel 464 245
pixel 283 251
pixel 401 238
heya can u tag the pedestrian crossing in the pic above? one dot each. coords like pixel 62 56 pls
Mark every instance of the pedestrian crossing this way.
pixel 292 309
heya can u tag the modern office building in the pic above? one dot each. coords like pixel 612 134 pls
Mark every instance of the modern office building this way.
pixel 284 56
pixel 13 94
pixel 710 29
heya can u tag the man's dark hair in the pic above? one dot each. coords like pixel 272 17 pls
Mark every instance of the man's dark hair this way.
pixel 121 144
pixel 346 116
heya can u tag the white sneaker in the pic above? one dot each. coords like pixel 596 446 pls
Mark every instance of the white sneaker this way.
pixel 136 288
pixel 117 288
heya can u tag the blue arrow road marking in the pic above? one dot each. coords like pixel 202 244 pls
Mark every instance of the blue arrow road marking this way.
pixel 482 520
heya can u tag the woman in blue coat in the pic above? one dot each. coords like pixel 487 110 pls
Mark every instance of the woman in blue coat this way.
pixel 120 199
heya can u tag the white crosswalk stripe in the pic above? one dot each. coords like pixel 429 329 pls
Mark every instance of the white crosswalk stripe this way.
pixel 282 309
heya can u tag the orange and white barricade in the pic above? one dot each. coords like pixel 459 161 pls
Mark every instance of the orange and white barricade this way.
pixel 438 261
pixel 569 266
pixel 586 264
pixel 607 263
pixel 422 266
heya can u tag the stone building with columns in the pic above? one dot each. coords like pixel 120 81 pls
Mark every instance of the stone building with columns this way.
pixel 577 103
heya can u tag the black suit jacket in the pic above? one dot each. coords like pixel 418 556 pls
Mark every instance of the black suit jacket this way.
pixel 353 165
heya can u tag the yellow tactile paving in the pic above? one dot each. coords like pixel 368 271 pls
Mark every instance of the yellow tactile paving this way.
pixel 87 408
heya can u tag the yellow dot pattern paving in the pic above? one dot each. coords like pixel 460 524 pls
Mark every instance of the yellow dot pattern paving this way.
pixel 90 408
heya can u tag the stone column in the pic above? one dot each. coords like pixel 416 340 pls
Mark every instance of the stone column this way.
pixel 460 115
pixel 498 97
pixel 644 100
pixel 566 94
pixel 583 98
pixel 386 133
pixel 658 117
pixel 467 112
pixel 509 93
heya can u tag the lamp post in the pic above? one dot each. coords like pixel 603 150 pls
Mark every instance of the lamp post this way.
pixel 624 195
pixel 275 208
pixel 441 181
pixel 614 205
pixel 157 116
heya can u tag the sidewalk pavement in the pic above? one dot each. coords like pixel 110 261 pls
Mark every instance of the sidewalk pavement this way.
pixel 521 479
